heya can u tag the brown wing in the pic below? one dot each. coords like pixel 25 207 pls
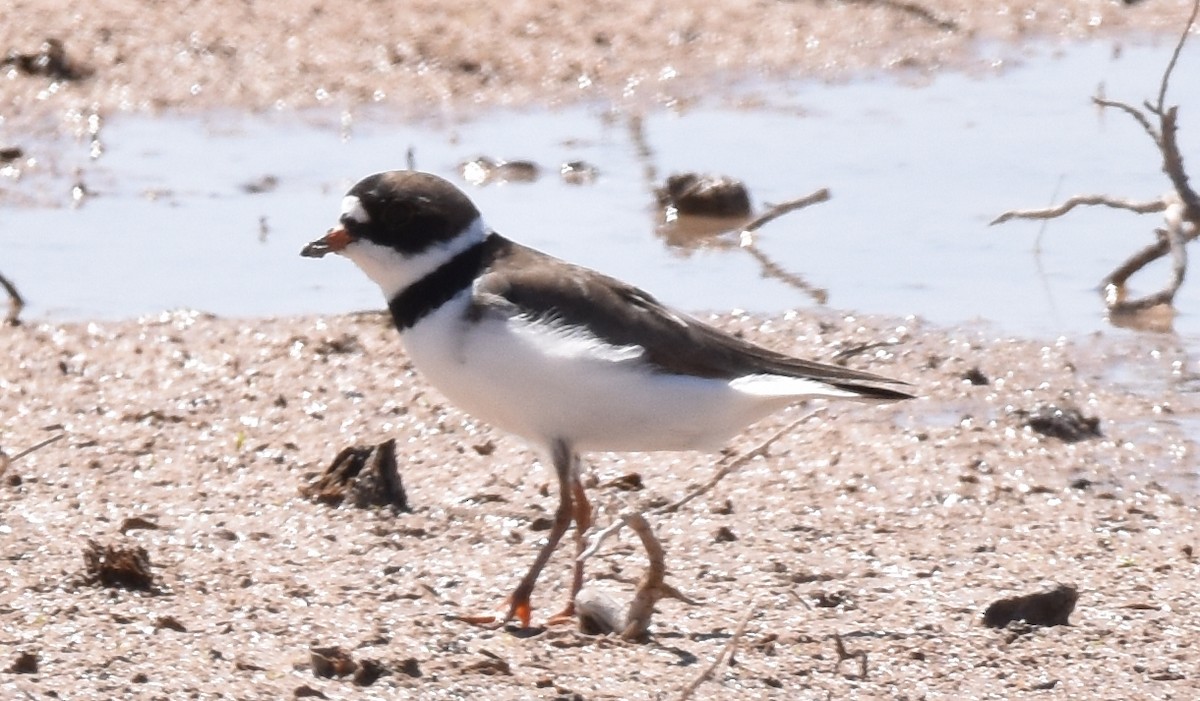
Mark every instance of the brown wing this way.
pixel 624 315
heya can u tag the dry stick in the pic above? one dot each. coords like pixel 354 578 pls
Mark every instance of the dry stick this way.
pixel 725 652
pixel 6 460
pixel 39 446
pixel 1132 112
pixel 1144 257
pixel 1172 240
pixel 1162 88
pixel 15 303
pixel 778 210
pixel 652 587
pixel 1175 238
pixel 913 9
pixel 759 450
pixel 1072 203
pixel 770 267
pixel 1173 166
pixel 726 468
pixel 844 655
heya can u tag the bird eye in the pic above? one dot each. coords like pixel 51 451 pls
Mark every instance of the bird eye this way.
pixel 353 212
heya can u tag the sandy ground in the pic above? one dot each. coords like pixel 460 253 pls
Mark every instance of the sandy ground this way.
pixel 427 56
pixel 893 527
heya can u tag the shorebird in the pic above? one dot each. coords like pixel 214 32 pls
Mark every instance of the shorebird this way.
pixel 565 357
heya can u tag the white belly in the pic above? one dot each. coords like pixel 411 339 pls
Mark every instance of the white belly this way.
pixel 546 387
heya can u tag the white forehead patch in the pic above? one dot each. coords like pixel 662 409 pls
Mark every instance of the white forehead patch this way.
pixel 352 207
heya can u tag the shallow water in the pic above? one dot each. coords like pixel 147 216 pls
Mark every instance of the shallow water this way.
pixel 916 172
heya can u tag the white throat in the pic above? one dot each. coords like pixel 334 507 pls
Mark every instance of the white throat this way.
pixel 394 271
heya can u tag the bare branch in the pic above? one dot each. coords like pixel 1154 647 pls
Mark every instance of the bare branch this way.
pixel 1072 203
pixel 1181 208
pixel 1132 112
pixel 38 446
pixel 15 303
pixel 913 9
pixel 737 463
pixel 778 210
pixel 652 587
pixel 844 655
pixel 1173 166
pixel 725 652
pixel 6 460
pixel 1187 29
pixel 726 467
pixel 1175 240
pixel 770 268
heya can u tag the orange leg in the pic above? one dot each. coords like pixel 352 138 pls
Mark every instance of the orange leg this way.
pixel 565 468
pixel 583 521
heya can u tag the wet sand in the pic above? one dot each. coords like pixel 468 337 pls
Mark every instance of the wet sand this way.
pixel 893 527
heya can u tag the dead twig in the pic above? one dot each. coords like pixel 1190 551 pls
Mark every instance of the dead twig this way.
pixel 600 614
pixel 770 268
pixel 6 460
pixel 729 466
pixel 778 210
pixel 913 9
pixel 725 467
pixel 727 651
pixel 844 655
pixel 15 302
pixel 37 446
pixel 1180 208
pixel 1073 202
pixel 652 587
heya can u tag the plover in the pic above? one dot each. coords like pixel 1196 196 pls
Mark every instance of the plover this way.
pixel 560 355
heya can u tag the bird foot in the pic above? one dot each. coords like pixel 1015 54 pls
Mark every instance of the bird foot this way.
pixel 520 609
pixel 481 621
pixel 564 617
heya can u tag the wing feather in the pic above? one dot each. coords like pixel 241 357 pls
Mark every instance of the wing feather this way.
pixel 623 315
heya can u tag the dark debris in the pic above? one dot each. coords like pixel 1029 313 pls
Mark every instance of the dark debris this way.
pixel 50 60
pixel 1046 608
pixel 114 566
pixel 692 194
pixel 1066 424
pixel 25 663
pixel 367 476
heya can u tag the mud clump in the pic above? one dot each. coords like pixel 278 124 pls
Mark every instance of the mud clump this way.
pixel 329 662
pixel 117 567
pixel 366 476
pixel 1046 608
pixel 695 195
pixel 25 663
pixel 50 60
pixel 1066 424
